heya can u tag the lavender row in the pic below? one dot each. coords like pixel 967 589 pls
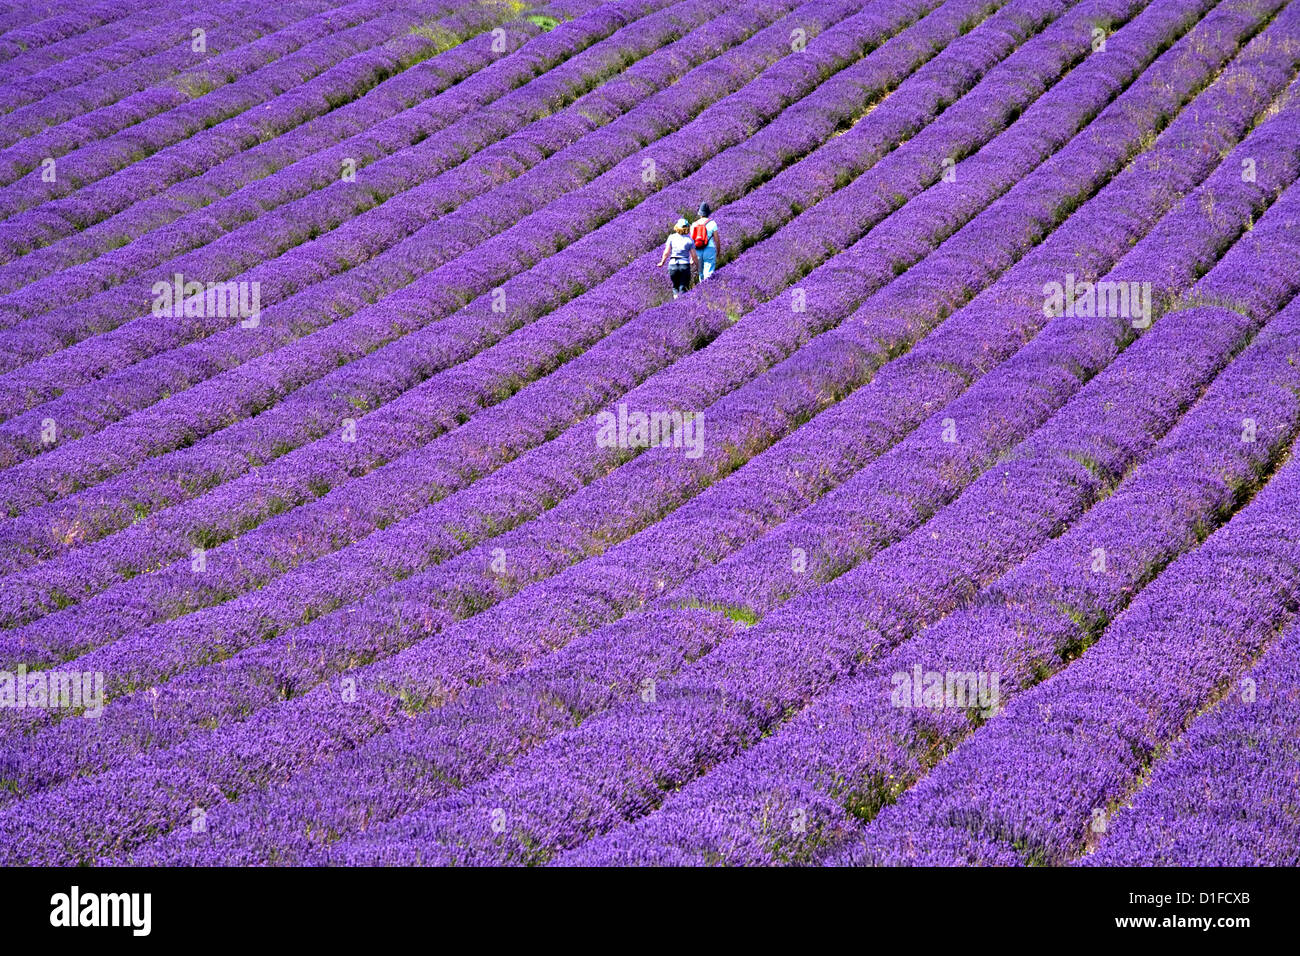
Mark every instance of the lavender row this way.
pixel 795 795
pixel 527 295
pixel 980 825
pixel 563 169
pixel 281 827
pixel 86 221
pixel 454 284
pixel 184 142
pixel 221 122
pixel 17 17
pixel 464 740
pixel 341 205
pixel 110 86
pixel 652 756
pixel 281 414
pixel 1032 784
pixel 686 375
pixel 720 704
pixel 757 578
pixel 26 14
pixel 400 112
pixel 57 23
pixel 1042 614
pixel 1226 793
pixel 857 749
pixel 112 41
pixel 559 629
pixel 392 117
pixel 359 498
pixel 714 710
pixel 139 36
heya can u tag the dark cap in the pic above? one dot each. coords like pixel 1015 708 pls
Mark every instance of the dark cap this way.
pixel 705 209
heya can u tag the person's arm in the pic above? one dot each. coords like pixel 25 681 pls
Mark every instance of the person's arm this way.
pixel 717 241
pixel 664 258
pixel 695 259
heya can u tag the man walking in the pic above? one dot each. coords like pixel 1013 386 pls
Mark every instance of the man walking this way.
pixel 704 233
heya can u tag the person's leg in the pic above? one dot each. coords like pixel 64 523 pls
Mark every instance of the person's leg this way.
pixel 681 276
pixel 707 265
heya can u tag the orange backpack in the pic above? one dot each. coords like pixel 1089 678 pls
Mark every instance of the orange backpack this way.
pixel 700 233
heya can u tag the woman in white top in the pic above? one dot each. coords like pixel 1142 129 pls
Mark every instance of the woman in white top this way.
pixel 679 253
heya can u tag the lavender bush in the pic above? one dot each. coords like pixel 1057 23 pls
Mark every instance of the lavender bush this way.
pixel 949 522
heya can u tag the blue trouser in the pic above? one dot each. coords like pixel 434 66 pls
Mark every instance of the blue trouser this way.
pixel 708 262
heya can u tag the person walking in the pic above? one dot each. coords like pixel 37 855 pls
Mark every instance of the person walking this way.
pixel 679 253
pixel 704 233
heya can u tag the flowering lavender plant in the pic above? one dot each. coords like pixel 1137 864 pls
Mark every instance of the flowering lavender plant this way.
pixel 368 497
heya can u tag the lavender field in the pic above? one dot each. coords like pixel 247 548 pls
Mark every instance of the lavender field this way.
pixel 368 497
